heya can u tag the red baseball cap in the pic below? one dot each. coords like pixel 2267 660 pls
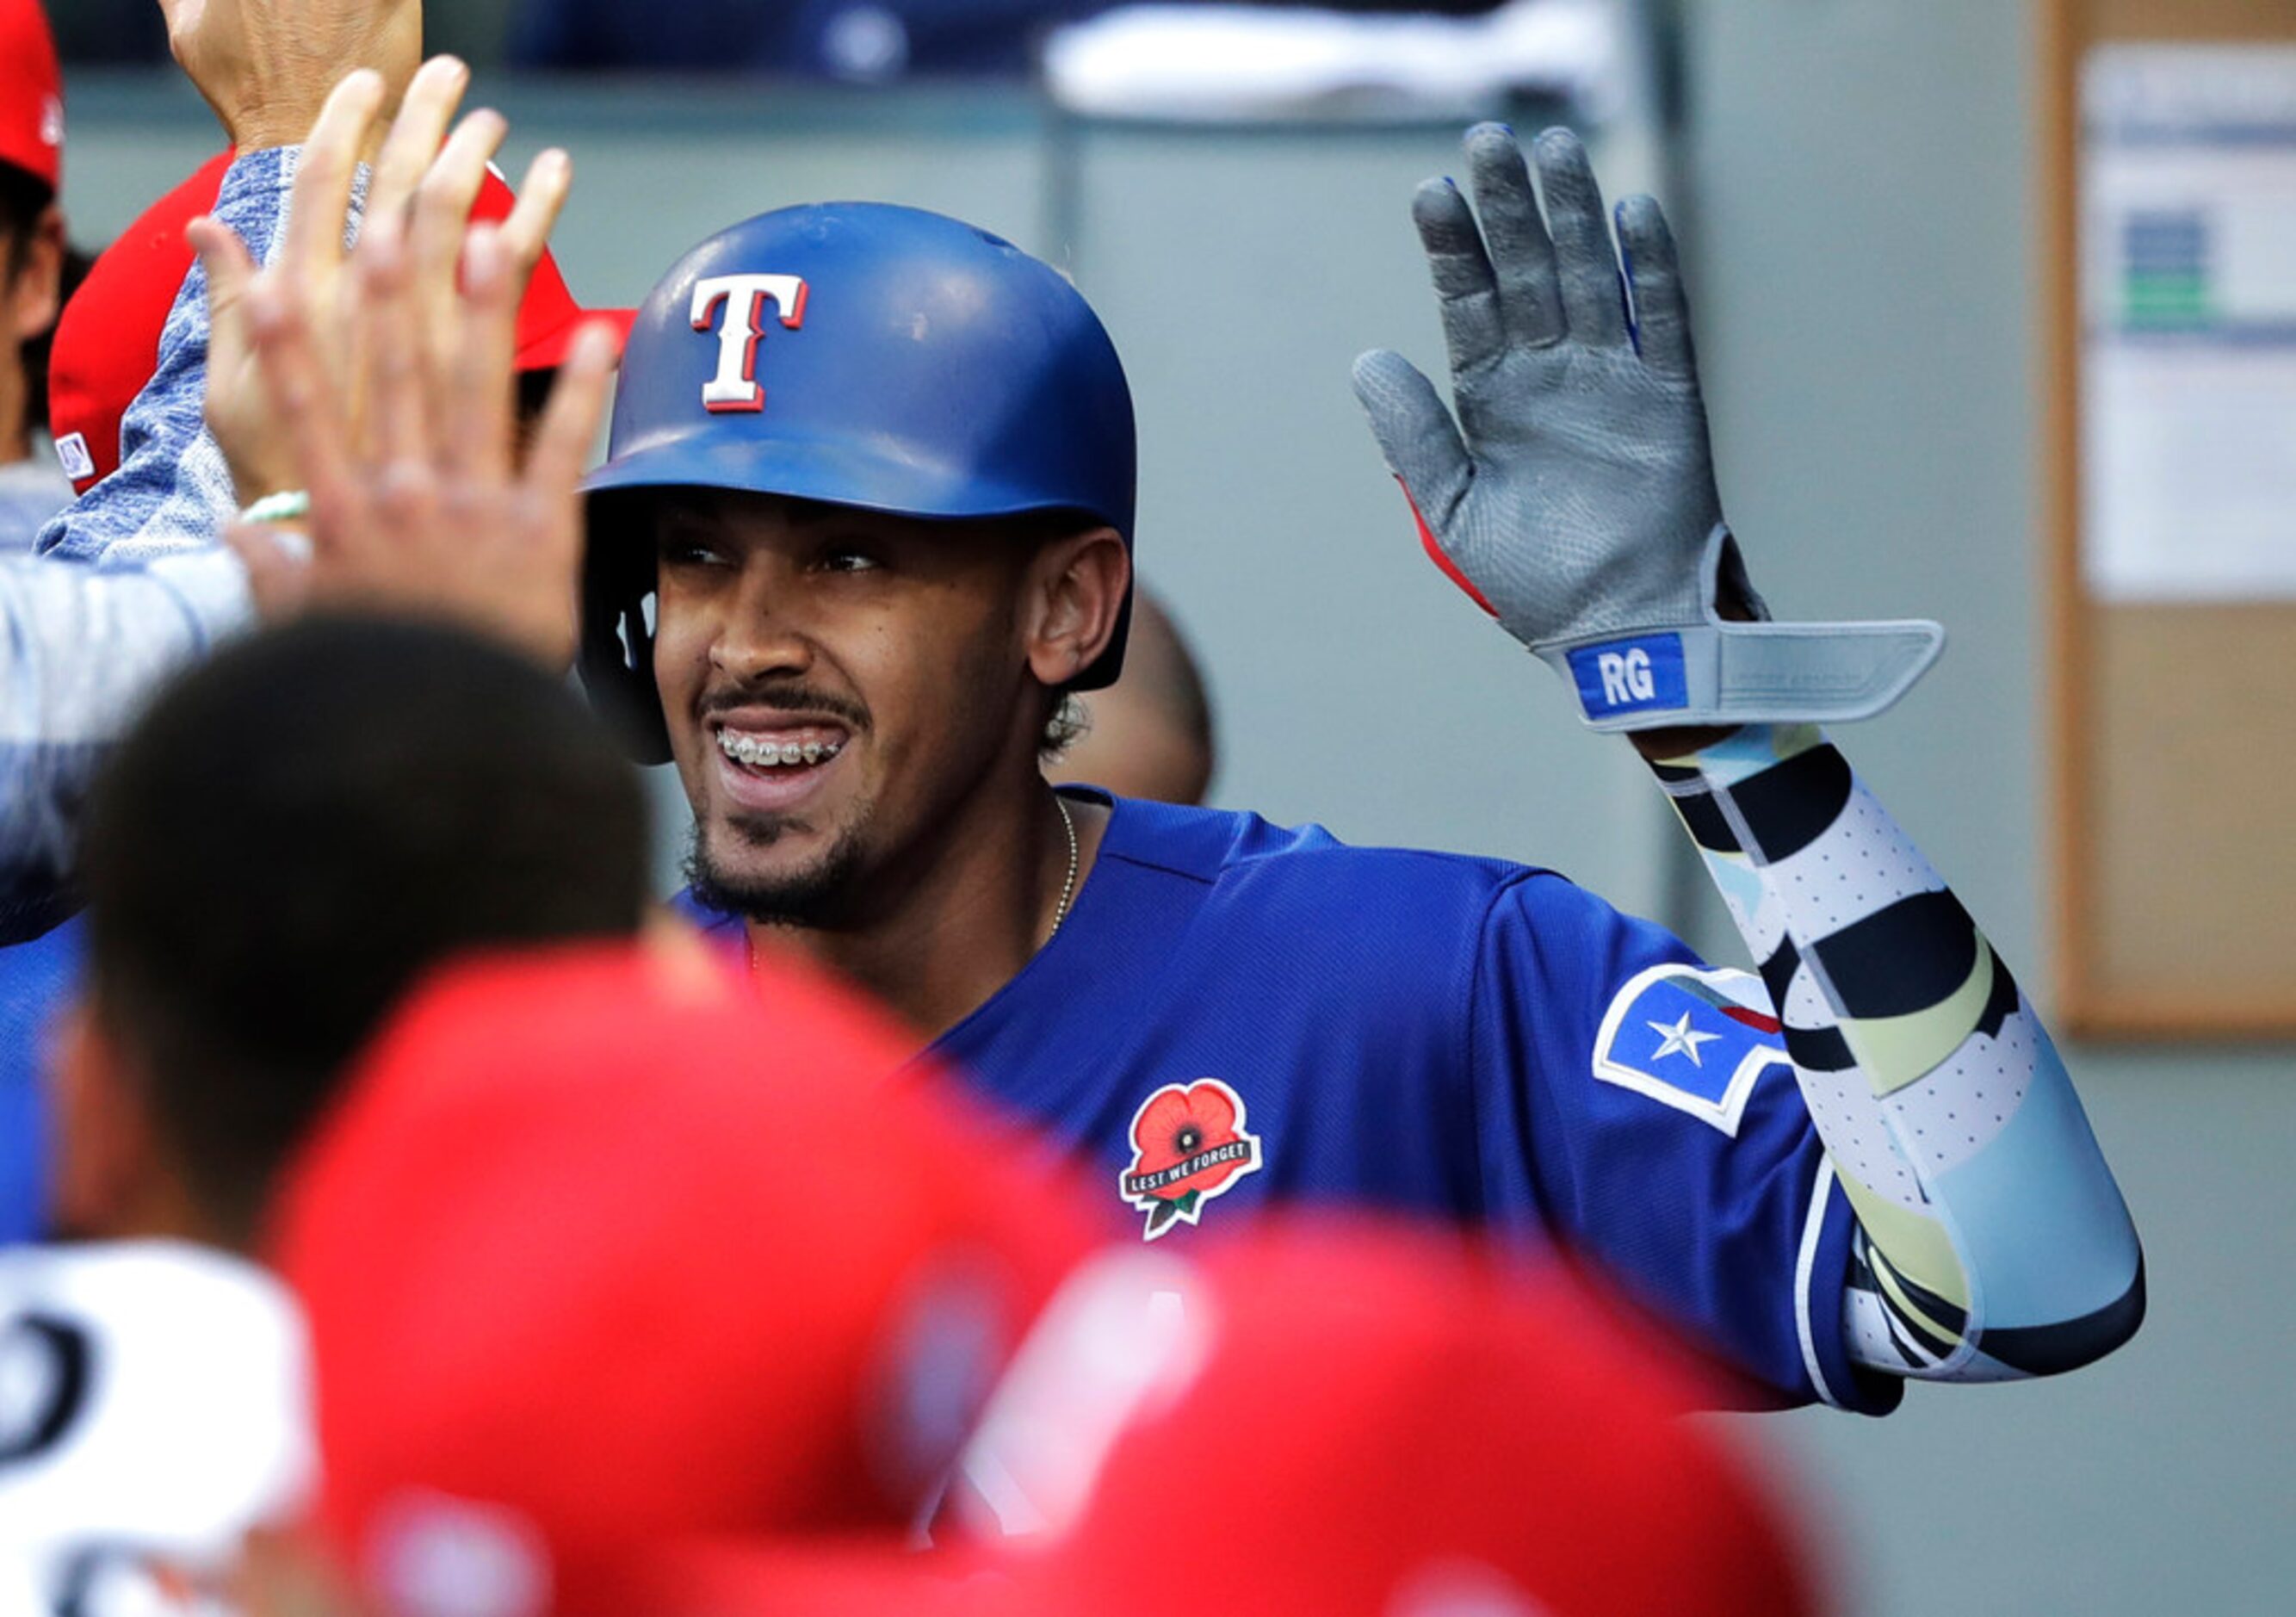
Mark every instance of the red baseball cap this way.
pixel 107 343
pixel 1387 1427
pixel 601 1249
pixel 31 92
pixel 1339 1422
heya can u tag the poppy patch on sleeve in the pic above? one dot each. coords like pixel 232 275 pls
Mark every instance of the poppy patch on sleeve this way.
pixel 1693 1040
pixel 1188 1146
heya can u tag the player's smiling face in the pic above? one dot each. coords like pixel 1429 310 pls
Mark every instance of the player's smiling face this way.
pixel 837 683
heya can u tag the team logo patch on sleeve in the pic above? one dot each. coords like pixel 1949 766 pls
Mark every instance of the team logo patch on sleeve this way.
pixel 1695 1040
pixel 1188 1146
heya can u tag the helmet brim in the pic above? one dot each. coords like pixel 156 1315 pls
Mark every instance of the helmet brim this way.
pixel 882 475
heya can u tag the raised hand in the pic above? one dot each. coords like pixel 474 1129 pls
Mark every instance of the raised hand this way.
pixel 1573 495
pixel 429 515
pixel 378 380
pixel 312 256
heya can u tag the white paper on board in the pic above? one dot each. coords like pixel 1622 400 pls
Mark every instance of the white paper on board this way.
pixel 2188 308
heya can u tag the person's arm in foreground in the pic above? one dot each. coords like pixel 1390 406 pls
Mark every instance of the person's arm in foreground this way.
pixel 84 648
pixel 132 580
pixel 1573 496
pixel 86 643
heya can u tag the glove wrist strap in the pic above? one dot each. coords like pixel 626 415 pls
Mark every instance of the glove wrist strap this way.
pixel 1744 673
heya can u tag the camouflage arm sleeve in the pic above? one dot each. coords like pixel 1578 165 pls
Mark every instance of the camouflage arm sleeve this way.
pixel 1992 1241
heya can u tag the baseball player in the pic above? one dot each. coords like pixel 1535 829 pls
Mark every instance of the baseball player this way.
pixel 157 589
pixel 866 517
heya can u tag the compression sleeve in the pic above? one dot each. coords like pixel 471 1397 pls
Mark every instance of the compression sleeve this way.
pixel 1992 1241
pixel 83 647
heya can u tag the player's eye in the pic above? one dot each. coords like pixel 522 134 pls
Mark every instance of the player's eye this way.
pixel 686 550
pixel 848 558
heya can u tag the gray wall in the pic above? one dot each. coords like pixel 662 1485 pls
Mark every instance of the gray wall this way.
pixel 1862 260
pixel 1864 176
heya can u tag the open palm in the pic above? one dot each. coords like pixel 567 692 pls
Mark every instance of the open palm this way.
pixel 1573 494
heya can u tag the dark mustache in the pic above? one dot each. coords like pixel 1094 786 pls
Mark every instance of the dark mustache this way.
pixel 799 700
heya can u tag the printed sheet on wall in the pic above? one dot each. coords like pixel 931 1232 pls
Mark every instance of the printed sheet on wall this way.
pixel 2188 313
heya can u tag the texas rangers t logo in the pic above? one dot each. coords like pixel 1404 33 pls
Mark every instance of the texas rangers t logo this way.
pixel 1188 1146
pixel 744 298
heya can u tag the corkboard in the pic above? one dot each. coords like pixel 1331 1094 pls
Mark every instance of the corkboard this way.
pixel 2173 734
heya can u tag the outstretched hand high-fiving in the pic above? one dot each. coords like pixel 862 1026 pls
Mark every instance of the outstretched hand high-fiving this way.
pixel 377 382
pixel 1573 492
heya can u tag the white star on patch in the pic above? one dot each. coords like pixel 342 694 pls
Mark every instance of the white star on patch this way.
pixel 1680 1040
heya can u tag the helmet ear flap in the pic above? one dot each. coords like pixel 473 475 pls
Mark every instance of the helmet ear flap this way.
pixel 616 659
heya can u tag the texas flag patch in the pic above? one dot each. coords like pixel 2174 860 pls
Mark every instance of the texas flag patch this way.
pixel 1691 1039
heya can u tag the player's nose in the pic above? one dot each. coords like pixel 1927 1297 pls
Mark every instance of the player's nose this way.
pixel 758 634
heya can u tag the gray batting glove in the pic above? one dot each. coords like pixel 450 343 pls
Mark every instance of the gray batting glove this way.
pixel 1573 498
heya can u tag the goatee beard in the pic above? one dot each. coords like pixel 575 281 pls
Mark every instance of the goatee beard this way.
pixel 815 895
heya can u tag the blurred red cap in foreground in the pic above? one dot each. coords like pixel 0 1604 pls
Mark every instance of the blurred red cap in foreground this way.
pixel 597 1252
pixel 1339 1423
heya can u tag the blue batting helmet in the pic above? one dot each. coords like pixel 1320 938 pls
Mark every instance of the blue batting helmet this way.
pixel 859 354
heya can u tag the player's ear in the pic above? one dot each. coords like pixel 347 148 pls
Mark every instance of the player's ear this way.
pixel 1077 585
pixel 105 1153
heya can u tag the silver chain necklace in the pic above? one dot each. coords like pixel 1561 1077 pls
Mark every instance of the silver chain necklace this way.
pixel 1068 888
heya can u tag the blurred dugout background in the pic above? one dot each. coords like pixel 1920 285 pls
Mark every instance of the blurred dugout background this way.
pixel 1856 182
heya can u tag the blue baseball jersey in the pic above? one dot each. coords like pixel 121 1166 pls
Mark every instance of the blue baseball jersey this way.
pixel 1237 1015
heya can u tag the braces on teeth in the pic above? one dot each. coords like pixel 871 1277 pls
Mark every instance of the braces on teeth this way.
pixel 766 753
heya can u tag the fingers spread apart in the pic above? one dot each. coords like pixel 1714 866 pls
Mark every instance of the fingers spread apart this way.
pixel 1466 290
pixel 1654 272
pixel 1521 253
pixel 325 170
pixel 1415 433
pixel 1593 299
pixel 442 210
pixel 549 179
pixel 1509 274
pixel 416 135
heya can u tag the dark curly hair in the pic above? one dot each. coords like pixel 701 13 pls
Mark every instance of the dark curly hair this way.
pixel 298 830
